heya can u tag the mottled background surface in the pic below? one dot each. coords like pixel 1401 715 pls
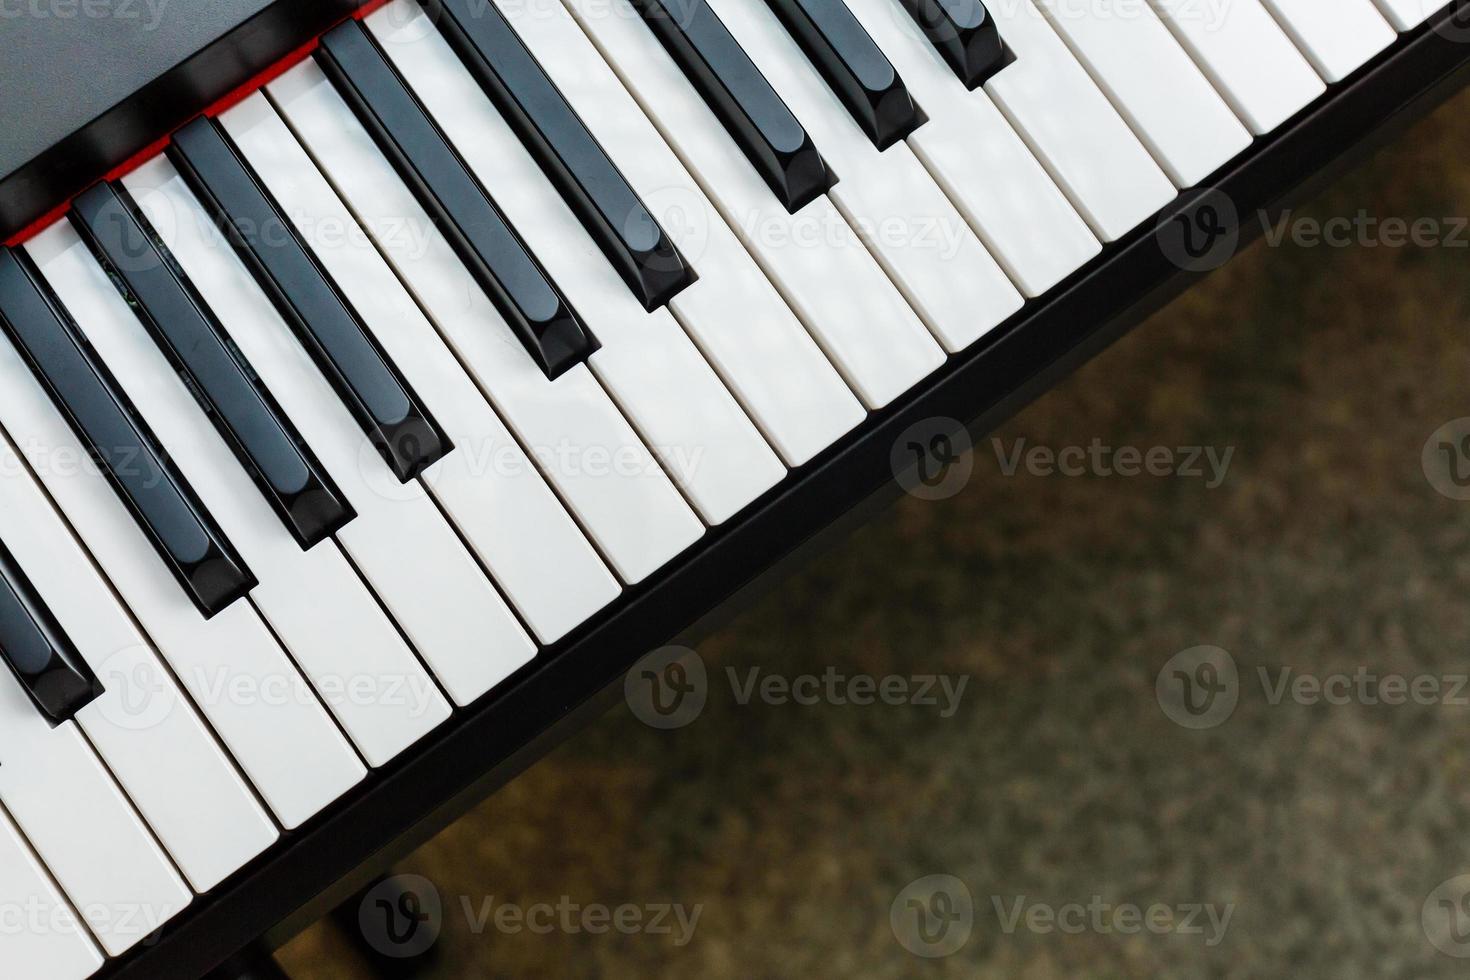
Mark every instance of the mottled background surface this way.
pixel 1323 827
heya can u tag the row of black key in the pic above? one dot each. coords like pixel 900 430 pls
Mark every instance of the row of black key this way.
pixel 329 328
pixel 629 235
pixel 392 416
pixel 852 64
pixel 500 262
pixel 193 339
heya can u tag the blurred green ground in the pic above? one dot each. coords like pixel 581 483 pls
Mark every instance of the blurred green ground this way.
pixel 1060 778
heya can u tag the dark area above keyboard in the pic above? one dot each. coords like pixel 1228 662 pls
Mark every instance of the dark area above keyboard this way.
pixel 85 84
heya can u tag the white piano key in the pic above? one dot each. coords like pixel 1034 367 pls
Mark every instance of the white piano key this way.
pixel 735 315
pixel 814 258
pixel 571 427
pixel 650 367
pixel 83 827
pixel 43 935
pixel 796 396
pixel 313 600
pixel 1337 36
pixel 1073 128
pixel 288 746
pixel 142 726
pixel 1244 52
pixel 1018 212
pixel 495 495
pixel 464 603
pixel 913 230
pixel 283 738
pixel 1153 83
pixel 386 699
pixel 1405 15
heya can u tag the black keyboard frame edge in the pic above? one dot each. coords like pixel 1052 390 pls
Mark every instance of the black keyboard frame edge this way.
pixel 49 180
pixel 409 801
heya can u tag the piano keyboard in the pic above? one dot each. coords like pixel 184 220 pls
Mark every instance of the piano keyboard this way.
pixel 318 426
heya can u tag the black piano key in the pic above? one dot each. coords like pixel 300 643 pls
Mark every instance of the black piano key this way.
pixel 853 64
pixel 964 34
pixel 570 155
pixel 193 339
pixel 756 117
pixel 38 651
pixel 187 538
pixel 463 210
pixel 391 415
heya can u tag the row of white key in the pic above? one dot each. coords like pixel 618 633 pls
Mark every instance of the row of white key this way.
pixel 608 478
pixel 647 364
pixel 47 938
pixel 821 268
pixel 731 311
pixel 933 256
pixel 144 729
pixel 492 491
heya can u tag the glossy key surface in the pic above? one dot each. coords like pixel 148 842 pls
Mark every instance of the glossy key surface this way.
pixel 389 413
pixel 767 131
pixel 461 208
pixel 37 651
pixel 183 533
pixel 191 336
pixel 569 154
pixel 855 67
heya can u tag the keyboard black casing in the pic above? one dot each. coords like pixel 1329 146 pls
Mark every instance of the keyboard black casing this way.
pixel 86 84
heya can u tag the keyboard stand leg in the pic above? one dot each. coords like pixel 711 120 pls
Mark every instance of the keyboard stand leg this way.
pixel 254 963
pixel 389 927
